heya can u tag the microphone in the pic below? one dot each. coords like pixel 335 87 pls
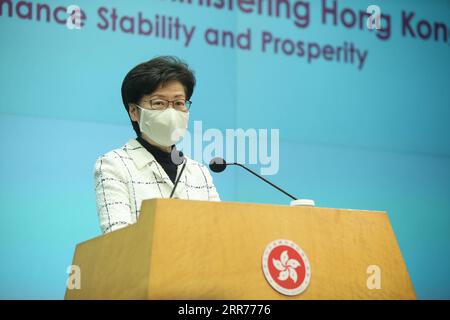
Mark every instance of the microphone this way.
pixel 219 164
pixel 177 158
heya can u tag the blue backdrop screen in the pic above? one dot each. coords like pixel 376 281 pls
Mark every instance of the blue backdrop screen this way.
pixel 357 117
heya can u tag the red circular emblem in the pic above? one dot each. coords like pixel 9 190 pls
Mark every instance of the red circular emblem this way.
pixel 286 267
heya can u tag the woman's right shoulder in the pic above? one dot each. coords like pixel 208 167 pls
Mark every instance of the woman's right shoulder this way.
pixel 113 159
pixel 113 155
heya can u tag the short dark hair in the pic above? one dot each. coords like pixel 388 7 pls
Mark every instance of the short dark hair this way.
pixel 148 76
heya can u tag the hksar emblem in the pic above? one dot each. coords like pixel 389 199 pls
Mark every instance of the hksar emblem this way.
pixel 286 267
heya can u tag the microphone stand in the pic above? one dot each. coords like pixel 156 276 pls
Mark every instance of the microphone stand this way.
pixel 178 178
pixel 252 172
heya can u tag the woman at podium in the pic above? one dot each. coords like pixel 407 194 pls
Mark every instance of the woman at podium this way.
pixel 156 97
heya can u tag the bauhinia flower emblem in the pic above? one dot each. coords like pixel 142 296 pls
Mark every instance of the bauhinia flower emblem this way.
pixel 286 267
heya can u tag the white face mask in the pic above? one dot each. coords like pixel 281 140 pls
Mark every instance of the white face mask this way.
pixel 165 127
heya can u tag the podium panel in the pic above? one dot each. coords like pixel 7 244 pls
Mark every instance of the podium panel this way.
pixel 185 249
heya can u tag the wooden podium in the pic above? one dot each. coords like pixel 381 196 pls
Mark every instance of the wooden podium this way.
pixel 185 249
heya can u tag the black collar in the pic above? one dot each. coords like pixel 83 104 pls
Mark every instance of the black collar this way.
pixel 160 155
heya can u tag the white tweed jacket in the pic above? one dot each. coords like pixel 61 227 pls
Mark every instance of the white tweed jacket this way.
pixel 124 177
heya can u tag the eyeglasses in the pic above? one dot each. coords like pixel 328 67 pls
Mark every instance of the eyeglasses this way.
pixel 161 104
